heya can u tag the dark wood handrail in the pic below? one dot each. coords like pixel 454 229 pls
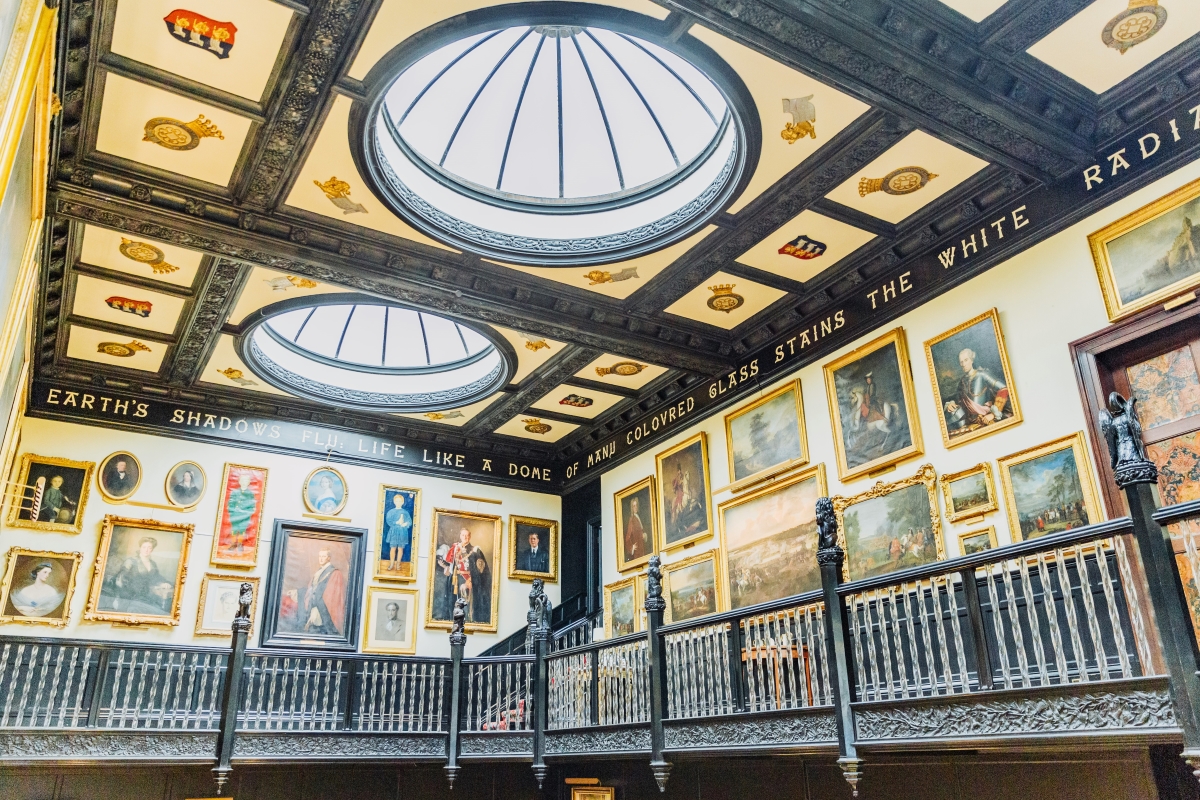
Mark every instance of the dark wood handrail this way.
pixel 1168 514
pixel 603 644
pixel 807 598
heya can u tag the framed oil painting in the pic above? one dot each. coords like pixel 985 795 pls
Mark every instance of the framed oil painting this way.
pixel 1049 488
pixel 1151 255
pixel 314 586
pixel 692 587
pixel 462 561
pixel 767 436
pixel 972 380
pixel 637 524
pixel 973 542
pixel 50 494
pixel 969 493
pixel 769 540
pixel 119 476
pixel 593 793
pixel 140 568
pixel 391 625
pixel 622 606
pixel 38 585
pixel 219 603
pixel 185 485
pixel 325 491
pixel 871 406
pixel 239 516
pixel 532 548
pixel 684 510
pixel 891 526
pixel 399 516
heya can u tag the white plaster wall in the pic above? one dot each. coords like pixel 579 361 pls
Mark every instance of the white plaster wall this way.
pixel 283 501
pixel 1047 297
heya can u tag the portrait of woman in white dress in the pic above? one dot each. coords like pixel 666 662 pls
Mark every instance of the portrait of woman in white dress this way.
pixel 38 598
pixel 38 586
pixel 325 491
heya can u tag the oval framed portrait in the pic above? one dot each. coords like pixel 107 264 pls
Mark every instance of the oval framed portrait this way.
pixel 119 475
pixel 186 484
pixel 325 491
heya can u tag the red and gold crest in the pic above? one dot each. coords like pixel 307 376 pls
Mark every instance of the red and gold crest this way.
pixel 139 307
pixel 209 35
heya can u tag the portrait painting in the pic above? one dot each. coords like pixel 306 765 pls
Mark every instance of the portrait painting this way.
pixel 769 540
pixel 691 588
pixel 969 493
pixel 186 482
pixel 219 603
pixel 532 548
pixel 891 526
pixel 50 494
pixel 119 475
pixel 391 625
pixel 314 585
pixel 1150 255
pixel 622 604
pixel 398 515
pixel 637 523
pixel 767 435
pixel 462 563
pixel 1049 488
pixel 972 380
pixel 140 568
pixel 871 406
pixel 973 542
pixel 684 513
pixel 325 491
pixel 38 585
pixel 239 516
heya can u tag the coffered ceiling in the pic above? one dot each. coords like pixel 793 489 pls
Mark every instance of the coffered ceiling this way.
pixel 205 169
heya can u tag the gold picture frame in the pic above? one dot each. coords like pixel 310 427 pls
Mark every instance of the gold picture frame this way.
pixel 643 489
pixel 97 598
pixel 25 556
pixel 968 339
pixel 915 447
pixel 1100 242
pixel 718 601
pixel 308 503
pixel 42 466
pixel 203 487
pixel 550 574
pixel 1087 484
pixel 667 522
pixel 102 466
pixel 989 503
pixel 856 564
pixel 593 793
pixel 634 584
pixel 381 549
pixel 201 629
pixel 731 419
pixel 224 526
pixel 989 531
pixel 371 642
pixel 437 569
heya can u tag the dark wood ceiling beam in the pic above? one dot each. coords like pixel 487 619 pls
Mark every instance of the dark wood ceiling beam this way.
pixel 556 371
pixel 218 290
pixel 193 90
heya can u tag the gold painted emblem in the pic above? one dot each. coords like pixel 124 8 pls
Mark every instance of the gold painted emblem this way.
pixel 724 298
pixel 338 193
pixel 237 376
pixel 905 180
pixel 535 344
pixel 622 368
pixel 804 117
pixel 175 135
pixel 1137 23
pixel 140 307
pixel 598 276
pixel 437 415
pixel 131 348
pixel 147 254
pixel 535 425
pixel 301 283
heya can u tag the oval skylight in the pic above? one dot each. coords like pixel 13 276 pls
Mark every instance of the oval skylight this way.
pixel 557 144
pixel 375 356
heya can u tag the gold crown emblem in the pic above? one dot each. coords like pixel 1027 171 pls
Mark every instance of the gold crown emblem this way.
pixel 535 425
pixel 622 368
pixel 146 254
pixel 724 298
pixel 905 180
pixel 172 134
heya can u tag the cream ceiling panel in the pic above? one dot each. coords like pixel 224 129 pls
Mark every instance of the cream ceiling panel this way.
pixel 122 304
pixel 226 368
pixel 119 350
pixel 456 417
pixel 170 264
pixel 148 31
pixel 532 351
pixel 1076 48
pixel 621 371
pixel 130 105
pixel 695 304
pixel 266 287
pixel 825 241
pixel 975 10
pixel 530 426
pixel 577 402
pixel 772 83
pixel 919 150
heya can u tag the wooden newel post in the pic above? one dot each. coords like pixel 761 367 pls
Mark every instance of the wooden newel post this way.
pixel 1138 478
pixel 837 647
pixel 231 692
pixel 538 642
pixel 458 642
pixel 655 606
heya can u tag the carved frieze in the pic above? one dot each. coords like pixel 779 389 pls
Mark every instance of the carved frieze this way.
pixel 101 745
pixel 495 744
pixel 598 740
pixel 813 727
pixel 292 745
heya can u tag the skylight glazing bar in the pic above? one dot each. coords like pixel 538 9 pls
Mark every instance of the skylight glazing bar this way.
pixel 424 338
pixel 300 330
pixel 444 70
pixel 337 353
pixel 674 74
pixel 517 111
pixel 600 103
pixel 383 355
pixel 479 91
pixel 558 56
pixel 638 92
pixel 463 339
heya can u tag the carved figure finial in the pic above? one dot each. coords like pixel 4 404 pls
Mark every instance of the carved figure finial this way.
pixel 1123 432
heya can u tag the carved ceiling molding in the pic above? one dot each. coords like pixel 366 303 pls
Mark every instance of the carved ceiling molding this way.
pixel 214 299
pixel 533 389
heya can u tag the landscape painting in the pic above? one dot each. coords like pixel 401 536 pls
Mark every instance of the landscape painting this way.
pixel 769 539
pixel 969 493
pixel 892 526
pixel 691 587
pixel 1049 488
pixel 767 434
pixel 621 608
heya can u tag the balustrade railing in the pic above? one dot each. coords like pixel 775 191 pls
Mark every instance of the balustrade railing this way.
pixel 603 683
pixel 498 694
